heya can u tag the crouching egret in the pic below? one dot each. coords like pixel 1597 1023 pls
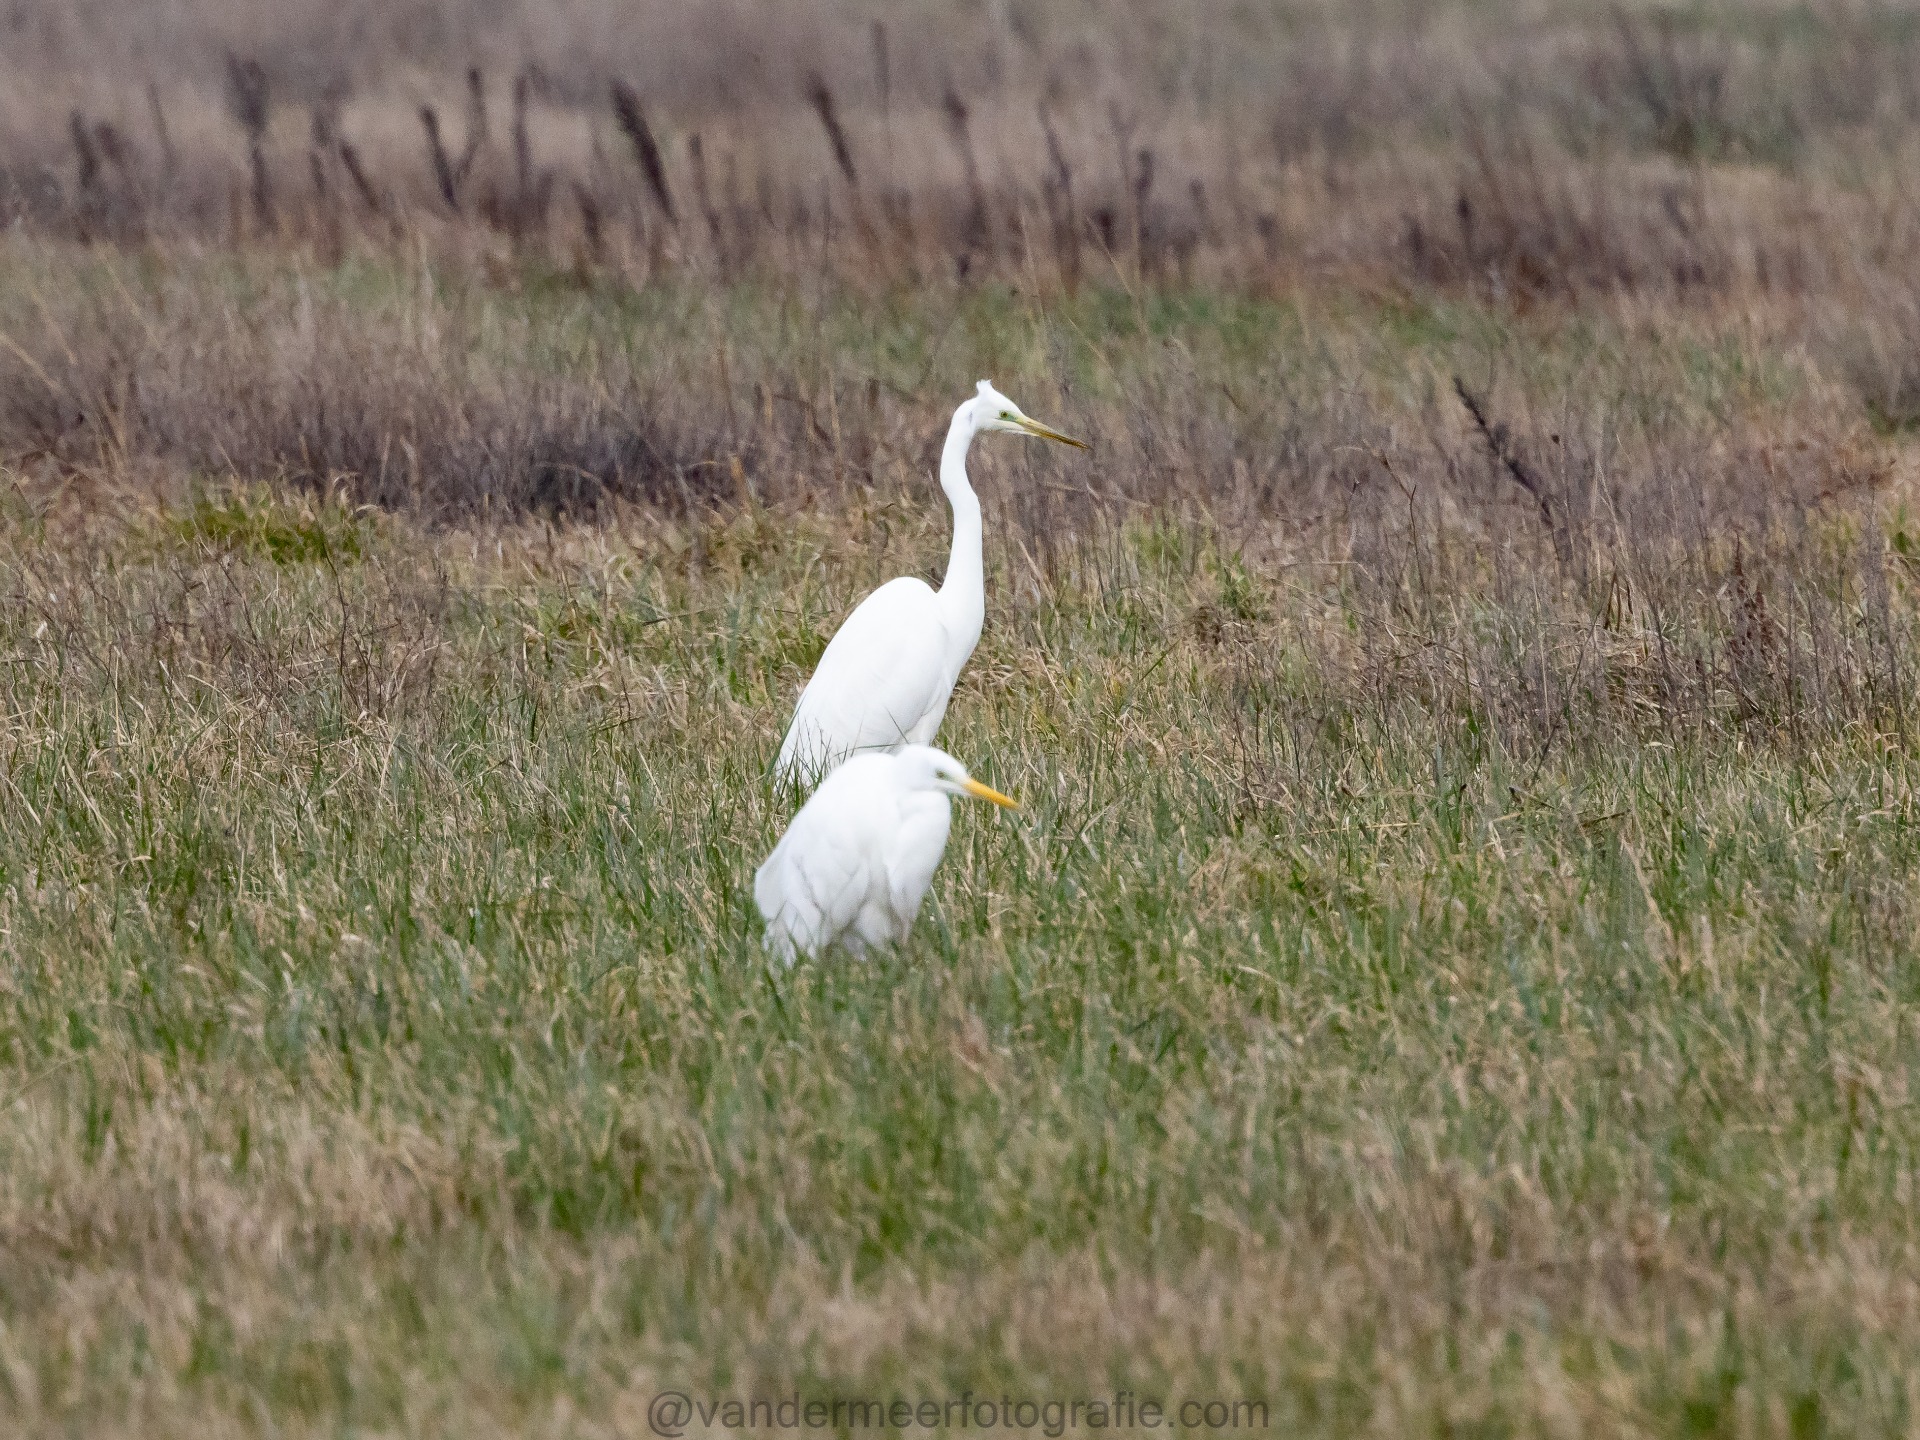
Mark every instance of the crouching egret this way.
pixel 856 862
pixel 887 672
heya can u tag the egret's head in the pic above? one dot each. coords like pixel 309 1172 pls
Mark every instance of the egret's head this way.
pixel 994 411
pixel 931 769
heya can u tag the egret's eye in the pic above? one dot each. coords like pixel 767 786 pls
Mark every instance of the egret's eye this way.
pixel 1006 415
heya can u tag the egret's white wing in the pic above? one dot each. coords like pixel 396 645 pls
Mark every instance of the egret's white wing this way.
pixel 883 675
pixel 828 866
pixel 811 889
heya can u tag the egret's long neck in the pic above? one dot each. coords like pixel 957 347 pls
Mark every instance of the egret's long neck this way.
pixel 963 593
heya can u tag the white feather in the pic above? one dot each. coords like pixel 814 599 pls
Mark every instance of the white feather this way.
pixel 857 861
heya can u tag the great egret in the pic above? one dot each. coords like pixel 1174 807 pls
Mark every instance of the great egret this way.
pixel 856 862
pixel 887 672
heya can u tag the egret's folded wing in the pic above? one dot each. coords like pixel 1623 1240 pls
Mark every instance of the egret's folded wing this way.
pixel 883 672
pixel 827 864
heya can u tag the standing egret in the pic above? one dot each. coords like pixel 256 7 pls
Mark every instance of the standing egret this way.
pixel 887 672
pixel 856 862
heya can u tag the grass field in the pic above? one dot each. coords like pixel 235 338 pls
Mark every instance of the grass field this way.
pixel 1425 994
pixel 1454 970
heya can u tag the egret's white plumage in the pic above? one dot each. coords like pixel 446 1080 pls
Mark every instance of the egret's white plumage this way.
pixel 889 669
pixel 856 862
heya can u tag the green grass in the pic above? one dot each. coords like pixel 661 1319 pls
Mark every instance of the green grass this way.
pixel 1429 987
pixel 260 525
pixel 387 1048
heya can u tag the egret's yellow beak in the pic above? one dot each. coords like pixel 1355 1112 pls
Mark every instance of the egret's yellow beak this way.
pixel 1045 432
pixel 987 792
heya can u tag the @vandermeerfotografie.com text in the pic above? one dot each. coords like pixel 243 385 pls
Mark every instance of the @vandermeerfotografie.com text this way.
pixel 671 1413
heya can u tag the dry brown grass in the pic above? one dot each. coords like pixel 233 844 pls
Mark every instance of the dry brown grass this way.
pixel 1581 150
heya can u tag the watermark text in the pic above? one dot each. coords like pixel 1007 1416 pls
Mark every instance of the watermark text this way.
pixel 672 1413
